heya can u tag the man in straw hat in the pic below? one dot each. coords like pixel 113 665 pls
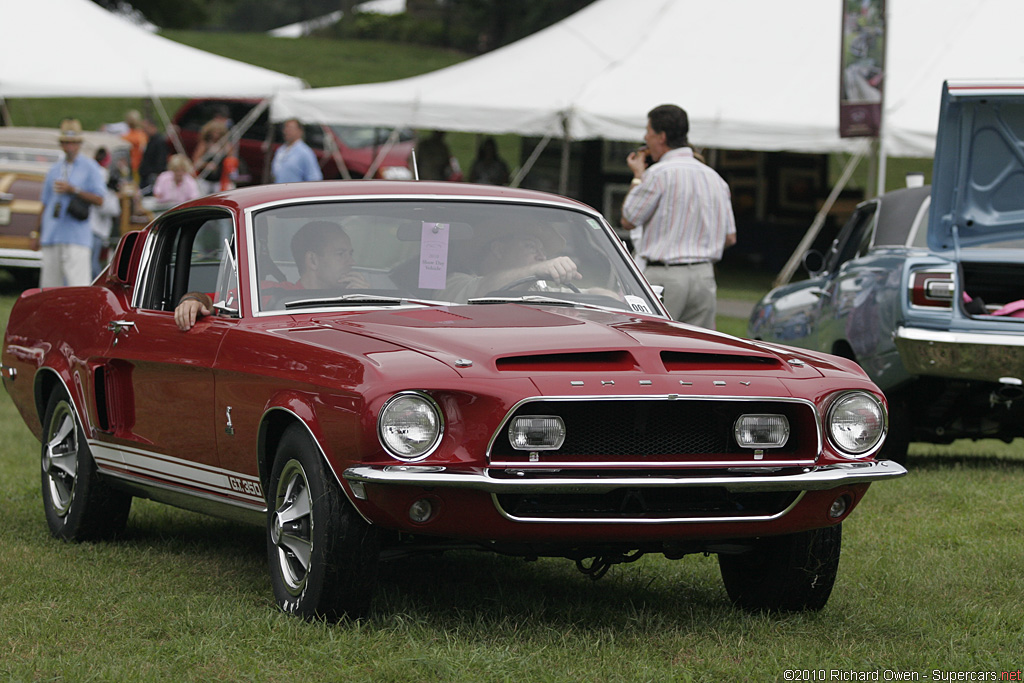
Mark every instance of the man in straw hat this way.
pixel 65 236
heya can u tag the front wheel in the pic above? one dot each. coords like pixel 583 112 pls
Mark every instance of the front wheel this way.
pixel 323 555
pixel 789 573
pixel 79 505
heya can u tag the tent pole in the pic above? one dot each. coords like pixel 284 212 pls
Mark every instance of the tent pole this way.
pixel 221 149
pixel 172 133
pixel 883 162
pixel 872 179
pixel 379 159
pixel 531 161
pixel 331 147
pixel 786 274
pixel 5 113
pixel 563 173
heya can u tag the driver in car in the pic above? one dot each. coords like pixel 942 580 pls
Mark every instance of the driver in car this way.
pixel 512 256
pixel 323 254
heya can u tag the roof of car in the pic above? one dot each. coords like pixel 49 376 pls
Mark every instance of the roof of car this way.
pixel 259 194
pixel 896 214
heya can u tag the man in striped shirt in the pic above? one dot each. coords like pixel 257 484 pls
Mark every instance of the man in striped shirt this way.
pixel 685 209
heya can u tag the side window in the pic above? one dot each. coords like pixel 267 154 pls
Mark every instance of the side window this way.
pixel 212 267
pixel 854 239
pixel 196 255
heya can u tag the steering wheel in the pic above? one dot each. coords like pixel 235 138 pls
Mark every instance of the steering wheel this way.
pixel 529 279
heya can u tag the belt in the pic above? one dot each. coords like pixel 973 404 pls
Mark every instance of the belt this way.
pixel 662 264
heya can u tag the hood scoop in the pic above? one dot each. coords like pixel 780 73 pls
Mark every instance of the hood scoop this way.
pixel 595 361
pixel 686 361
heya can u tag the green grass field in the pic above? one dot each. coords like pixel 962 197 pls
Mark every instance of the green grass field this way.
pixel 931 577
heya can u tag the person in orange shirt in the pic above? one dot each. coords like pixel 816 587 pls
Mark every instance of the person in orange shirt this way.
pixel 137 138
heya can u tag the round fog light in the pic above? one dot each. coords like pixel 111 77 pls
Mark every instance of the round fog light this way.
pixel 839 507
pixel 421 510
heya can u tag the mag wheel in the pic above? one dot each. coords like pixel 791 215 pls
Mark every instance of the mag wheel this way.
pixel 788 573
pixel 323 555
pixel 79 505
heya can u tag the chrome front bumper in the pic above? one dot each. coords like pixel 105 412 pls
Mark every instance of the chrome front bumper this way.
pixel 961 355
pixel 20 258
pixel 524 481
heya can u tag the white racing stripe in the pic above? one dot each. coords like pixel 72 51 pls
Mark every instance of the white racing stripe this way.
pixel 178 472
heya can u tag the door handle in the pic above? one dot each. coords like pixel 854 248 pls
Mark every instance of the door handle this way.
pixel 118 326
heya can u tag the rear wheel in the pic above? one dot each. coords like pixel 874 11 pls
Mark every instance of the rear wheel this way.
pixel 788 573
pixel 79 504
pixel 323 555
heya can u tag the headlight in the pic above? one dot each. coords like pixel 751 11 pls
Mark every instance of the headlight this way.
pixel 537 433
pixel 410 425
pixel 855 423
pixel 761 431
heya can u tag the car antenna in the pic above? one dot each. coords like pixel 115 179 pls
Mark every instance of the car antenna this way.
pixel 415 167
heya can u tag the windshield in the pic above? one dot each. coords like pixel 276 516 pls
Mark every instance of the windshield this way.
pixel 329 255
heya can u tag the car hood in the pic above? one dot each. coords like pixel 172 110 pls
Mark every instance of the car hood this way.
pixel 978 174
pixel 531 339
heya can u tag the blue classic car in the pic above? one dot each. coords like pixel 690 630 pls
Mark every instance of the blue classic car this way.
pixel 924 287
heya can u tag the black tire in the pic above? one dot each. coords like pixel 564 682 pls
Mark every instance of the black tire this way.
pixel 79 504
pixel 323 556
pixel 791 573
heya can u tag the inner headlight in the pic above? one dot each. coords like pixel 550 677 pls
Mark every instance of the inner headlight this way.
pixel 537 433
pixel 856 423
pixel 761 431
pixel 410 425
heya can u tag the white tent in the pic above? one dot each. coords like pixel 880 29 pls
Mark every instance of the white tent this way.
pixel 751 74
pixel 74 48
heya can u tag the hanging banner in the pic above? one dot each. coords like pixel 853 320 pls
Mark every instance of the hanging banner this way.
pixel 862 68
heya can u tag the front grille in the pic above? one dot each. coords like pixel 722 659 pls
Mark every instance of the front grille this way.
pixel 649 504
pixel 662 430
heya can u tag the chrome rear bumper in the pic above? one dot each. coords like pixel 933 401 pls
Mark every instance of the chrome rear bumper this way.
pixel 961 355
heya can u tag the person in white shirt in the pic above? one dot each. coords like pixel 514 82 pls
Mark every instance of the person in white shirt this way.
pixel 685 209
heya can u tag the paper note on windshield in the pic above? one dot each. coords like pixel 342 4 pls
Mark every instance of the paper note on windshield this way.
pixel 434 255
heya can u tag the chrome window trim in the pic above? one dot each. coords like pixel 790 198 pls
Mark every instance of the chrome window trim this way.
pixel 253 307
pixel 144 278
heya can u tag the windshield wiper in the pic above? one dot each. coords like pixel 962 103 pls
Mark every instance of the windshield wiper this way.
pixel 350 300
pixel 528 299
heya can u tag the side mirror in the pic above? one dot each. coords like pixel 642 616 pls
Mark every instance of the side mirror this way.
pixel 814 262
pixel 125 264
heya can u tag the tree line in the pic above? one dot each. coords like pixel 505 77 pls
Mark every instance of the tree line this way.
pixel 473 26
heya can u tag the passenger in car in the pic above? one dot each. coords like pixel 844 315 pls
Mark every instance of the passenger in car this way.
pixel 323 255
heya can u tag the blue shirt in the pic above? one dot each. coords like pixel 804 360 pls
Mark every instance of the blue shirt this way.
pixel 295 163
pixel 85 175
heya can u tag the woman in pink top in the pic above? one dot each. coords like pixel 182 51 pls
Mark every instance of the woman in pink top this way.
pixel 176 184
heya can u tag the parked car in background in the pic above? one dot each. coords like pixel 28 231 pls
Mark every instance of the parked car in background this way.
pixel 26 154
pixel 357 145
pixel 460 394
pixel 924 287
